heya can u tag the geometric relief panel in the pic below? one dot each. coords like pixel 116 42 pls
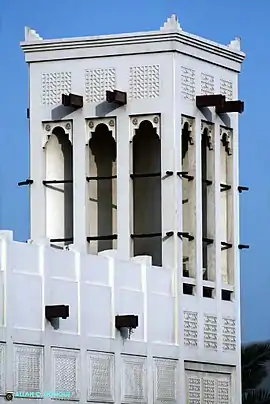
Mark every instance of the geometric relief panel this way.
pixel 210 332
pixel 144 82
pixel 207 84
pixel 226 88
pixel 66 373
pixel 188 83
pixel 191 329
pixel 133 379
pixel 28 368
pixel 97 82
pixel 165 381
pixel 228 334
pixel 2 368
pixel 54 85
pixel 208 388
pixel 100 377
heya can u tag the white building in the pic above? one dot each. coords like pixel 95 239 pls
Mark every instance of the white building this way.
pixel 134 211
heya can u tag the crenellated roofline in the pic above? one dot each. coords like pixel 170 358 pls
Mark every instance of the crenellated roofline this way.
pixel 170 37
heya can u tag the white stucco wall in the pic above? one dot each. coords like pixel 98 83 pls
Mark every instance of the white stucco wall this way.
pixel 187 346
pixel 160 360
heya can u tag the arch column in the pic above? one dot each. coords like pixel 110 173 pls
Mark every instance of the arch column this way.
pixel 208 201
pixel 147 178
pixel 226 205
pixel 58 183
pixel 101 215
pixel 187 167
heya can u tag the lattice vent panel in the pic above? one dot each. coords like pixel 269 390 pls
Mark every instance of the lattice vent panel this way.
pixel 28 368
pixel 226 88
pixel 66 372
pixel 210 332
pixel 228 334
pixel 207 84
pixel 165 381
pixel 208 388
pixel 54 85
pixel 133 379
pixel 97 82
pixel 188 83
pixel 144 82
pixel 100 377
pixel 2 368
pixel 191 329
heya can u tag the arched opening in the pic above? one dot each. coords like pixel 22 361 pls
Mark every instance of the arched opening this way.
pixel 226 208
pixel 102 190
pixel 208 208
pixel 204 203
pixel 188 269
pixel 147 223
pixel 59 188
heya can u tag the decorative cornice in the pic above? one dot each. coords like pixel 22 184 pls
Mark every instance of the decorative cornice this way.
pixel 168 40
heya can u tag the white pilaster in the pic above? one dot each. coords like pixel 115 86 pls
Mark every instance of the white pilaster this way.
pixel 170 129
pixel 124 186
pixel 79 184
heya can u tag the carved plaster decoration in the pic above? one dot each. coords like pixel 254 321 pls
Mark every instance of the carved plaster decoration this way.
pixel 134 379
pixel 226 88
pixel 165 380
pixel 48 128
pixel 226 139
pixel 186 121
pixel 144 82
pixel 137 120
pixel 207 84
pixel 208 129
pixel 55 84
pixel 228 334
pixel 100 377
pixel 188 83
pixel 94 122
pixel 29 361
pixel 30 35
pixel 97 82
pixel 2 367
pixel 171 25
pixel 208 388
pixel 66 371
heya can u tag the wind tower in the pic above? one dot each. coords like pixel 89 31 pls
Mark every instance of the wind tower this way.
pixel 134 148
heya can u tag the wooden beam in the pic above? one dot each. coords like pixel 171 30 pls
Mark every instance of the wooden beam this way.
pixel 203 101
pixel 230 106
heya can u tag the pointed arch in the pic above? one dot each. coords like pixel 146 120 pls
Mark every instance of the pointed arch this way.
pixel 188 196
pixel 226 204
pixel 208 201
pixel 102 209
pixel 59 187
pixel 147 216
pixel 204 186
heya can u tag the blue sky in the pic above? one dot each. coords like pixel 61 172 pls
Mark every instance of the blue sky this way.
pixel 220 22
